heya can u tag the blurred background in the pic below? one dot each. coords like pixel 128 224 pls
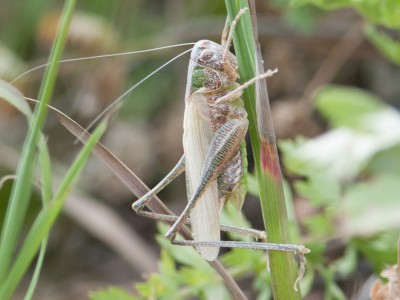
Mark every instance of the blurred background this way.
pixel 99 241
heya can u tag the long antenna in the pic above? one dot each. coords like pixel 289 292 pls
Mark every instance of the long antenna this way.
pixel 119 99
pixel 100 56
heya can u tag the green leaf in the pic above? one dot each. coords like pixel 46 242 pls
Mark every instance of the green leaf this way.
pixel 325 4
pixel 259 284
pixel 341 154
pixel 346 106
pixel 252 185
pixel 380 250
pixel 317 254
pixel 198 279
pixel 185 255
pixel 385 162
pixel 167 265
pixel 307 282
pixel 379 12
pixel 386 13
pixel 319 225
pixel 372 207
pixel 164 285
pixel 111 293
pixel 302 18
pixel 232 217
pixel 384 43
pixel 319 187
pixel 346 264
pixel 244 261
pixel 216 292
pixel 10 64
pixel 332 290
pixel 15 98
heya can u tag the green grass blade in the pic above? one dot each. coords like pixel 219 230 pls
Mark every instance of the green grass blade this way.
pixel 47 194
pixel 46 182
pixel 15 98
pixel 46 218
pixel 282 265
pixel 22 187
pixel 38 269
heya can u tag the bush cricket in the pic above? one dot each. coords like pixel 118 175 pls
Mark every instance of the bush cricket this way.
pixel 215 124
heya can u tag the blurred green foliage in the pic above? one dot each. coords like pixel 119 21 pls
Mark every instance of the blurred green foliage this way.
pixel 339 179
pixel 376 13
pixel 357 204
pixel 349 174
pixel 343 178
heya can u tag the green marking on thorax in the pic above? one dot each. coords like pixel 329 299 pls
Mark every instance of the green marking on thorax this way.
pixel 199 76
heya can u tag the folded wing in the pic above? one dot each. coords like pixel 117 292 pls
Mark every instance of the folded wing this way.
pixel 196 141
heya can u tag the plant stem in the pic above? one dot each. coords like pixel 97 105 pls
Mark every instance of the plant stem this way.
pixel 282 264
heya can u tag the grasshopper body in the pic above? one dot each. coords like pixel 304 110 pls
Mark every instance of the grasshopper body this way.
pixel 207 126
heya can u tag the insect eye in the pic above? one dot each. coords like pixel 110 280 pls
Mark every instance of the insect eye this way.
pixel 207 55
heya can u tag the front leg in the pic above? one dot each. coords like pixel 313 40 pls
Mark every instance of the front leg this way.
pixel 175 172
pixel 224 145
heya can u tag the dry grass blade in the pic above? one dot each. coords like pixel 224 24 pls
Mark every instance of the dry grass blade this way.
pixel 135 185
pixel 90 214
